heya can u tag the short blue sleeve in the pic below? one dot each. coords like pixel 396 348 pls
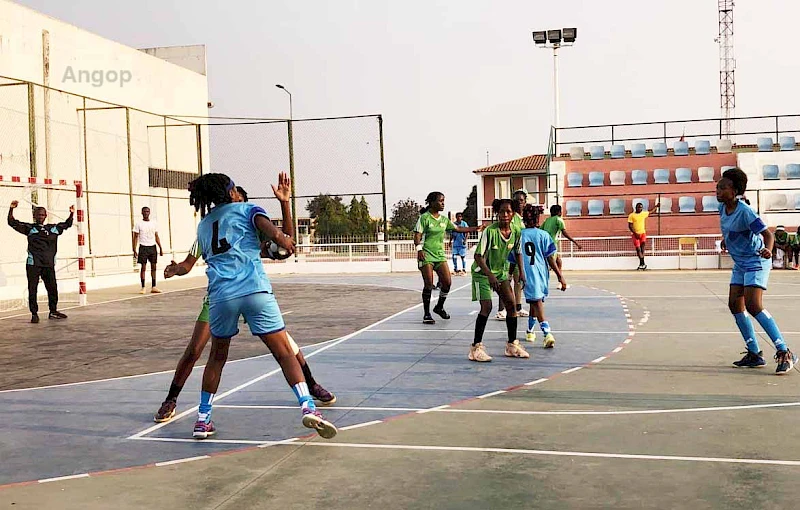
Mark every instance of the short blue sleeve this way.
pixel 752 220
pixel 256 210
pixel 550 248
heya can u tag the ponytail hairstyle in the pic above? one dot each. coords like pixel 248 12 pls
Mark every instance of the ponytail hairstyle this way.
pixel 497 203
pixel 432 197
pixel 739 181
pixel 210 190
pixel 242 192
pixel 530 215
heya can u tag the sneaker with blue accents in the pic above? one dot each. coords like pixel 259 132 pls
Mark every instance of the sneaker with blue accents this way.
pixel 786 361
pixel 750 360
pixel 313 419
pixel 203 429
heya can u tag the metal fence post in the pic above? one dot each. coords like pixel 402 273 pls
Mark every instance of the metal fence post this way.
pixel 291 176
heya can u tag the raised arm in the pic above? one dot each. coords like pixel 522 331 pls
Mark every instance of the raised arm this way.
pixel 263 224
pixel 283 192
pixel 22 228
pixel 64 225
pixel 655 207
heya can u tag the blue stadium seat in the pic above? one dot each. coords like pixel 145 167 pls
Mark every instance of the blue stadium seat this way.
pixel 702 147
pixel 793 171
pixel 686 204
pixel 770 172
pixel 576 153
pixel 596 207
pixel 617 151
pixel 597 152
pixel 710 203
pixel 659 149
pixel 764 144
pixel 638 150
pixel 639 177
pixel 787 143
pixel 666 205
pixel 661 176
pixel 596 178
pixel 617 177
pixel 778 202
pixel 726 167
pixel 574 180
pixel 683 175
pixel 705 174
pixel 681 148
pixel 644 201
pixel 617 206
pixel 574 207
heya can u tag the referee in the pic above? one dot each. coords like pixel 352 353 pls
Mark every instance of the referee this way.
pixel 42 247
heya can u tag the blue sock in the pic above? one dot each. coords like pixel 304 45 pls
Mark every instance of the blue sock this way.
pixel 204 412
pixel 303 396
pixel 748 333
pixel 531 323
pixel 768 323
pixel 545 327
pixel 455 263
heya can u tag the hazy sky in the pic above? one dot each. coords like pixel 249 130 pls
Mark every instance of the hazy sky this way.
pixel 456 78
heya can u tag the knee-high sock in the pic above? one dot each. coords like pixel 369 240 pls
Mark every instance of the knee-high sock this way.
pixel 426 300
pixel 748 333
pixel 442 299
pixel 204 411
pixel 545 327
pixel 303 396
pixel 511 325
pixel 480 326
pixel 771 327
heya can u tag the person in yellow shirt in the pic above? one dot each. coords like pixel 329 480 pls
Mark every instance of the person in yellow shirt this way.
pixel 636 224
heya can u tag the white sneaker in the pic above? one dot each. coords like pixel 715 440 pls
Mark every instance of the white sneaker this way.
pixel 143 291
pixel 522 313
pixel 477 353
pixel 530 336
pixel 501 315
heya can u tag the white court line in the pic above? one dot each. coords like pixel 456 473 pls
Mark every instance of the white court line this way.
pixel 616 350
pixel 287 313
pixel 588 332
pixel 437 408
pixel 492 394
pixel 60 478
pixel 537 381
pixel 209 441
pixel 181 461
pixel 573 369
pixel 360 425
pixel 598 360
pixel 343 408
pixel 219 397
pixel 473 312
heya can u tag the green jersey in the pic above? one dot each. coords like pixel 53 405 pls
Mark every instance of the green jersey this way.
pixel 554 225
pixel 494 248
pixel 433 230
pixel 516 223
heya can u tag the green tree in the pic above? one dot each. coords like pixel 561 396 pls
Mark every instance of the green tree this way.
pixel 404 215
pixel 329 215
pixel 358 215
pixel 470 212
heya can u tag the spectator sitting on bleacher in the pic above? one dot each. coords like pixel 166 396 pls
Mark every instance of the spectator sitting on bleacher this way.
pixel 783 243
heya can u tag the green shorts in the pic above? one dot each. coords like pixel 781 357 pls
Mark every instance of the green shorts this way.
pixel 481 290
pixel 436 265
pixel 203 317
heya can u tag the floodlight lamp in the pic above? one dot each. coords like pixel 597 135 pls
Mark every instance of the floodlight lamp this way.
pixel 554 36
pixel 570 34
pixel 540 37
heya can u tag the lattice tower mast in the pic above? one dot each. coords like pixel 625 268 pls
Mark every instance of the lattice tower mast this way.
pixel 727 65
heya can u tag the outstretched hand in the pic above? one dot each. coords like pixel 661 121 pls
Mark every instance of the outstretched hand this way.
pixel 71 209
pixel 14 204
pixel 283 191
pixel 171 270
pixel 285 242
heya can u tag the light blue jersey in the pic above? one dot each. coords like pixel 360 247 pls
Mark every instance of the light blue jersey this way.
pixel 536 246
pixel 459 238
pixel 742 233
pixel 229 243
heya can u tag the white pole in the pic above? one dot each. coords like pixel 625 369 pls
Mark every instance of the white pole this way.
pixel 556 113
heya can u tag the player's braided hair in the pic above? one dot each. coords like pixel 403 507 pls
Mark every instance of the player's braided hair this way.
pixel 738 180
pixel 432 197
pixel 497 203
pixel 210 190
pixel 531 213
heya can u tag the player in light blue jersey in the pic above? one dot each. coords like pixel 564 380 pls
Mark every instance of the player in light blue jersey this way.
pixel 750 243
pixel 238 285
pixel 538 257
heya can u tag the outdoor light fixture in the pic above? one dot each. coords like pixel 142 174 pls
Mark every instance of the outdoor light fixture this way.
pixel 540 37
pixel 570 34
pixel 555 39
pixel 554 36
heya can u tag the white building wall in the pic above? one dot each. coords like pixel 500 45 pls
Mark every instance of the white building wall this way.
pixel 767 194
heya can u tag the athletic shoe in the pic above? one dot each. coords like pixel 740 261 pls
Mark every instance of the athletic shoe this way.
pixel 530 336
pixel 501 315
pixel 143 291
pixel 203 430
pixel 549 341
pixel 522 313
pixel 441 313
pixel 427 319
pixel 166 412
pixel 322 395
pixel 57 315
pixel 750 360
pixel 313 419
pixel 478 353
pixel 155 290
pixel 515 350
pixel 786 361
pixel 34 319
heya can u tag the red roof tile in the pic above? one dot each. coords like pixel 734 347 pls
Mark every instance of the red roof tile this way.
pixel 526 164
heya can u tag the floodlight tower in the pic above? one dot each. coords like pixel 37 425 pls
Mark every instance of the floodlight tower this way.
pixel 555 39
pixel 727 64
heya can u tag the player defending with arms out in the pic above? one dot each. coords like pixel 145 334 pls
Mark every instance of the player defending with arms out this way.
pixel 555 226
pixel 490 273
pixel 750 244
pixel 538 251
pixel 238 285
pixel 636 224
pixel 202 333
pixel 41 263
pixel 429 240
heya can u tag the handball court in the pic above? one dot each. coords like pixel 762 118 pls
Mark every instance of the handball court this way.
pixel 636 407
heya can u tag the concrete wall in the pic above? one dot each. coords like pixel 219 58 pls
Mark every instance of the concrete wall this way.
pixel 764 193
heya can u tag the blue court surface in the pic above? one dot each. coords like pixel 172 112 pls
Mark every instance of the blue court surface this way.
pixel 393 367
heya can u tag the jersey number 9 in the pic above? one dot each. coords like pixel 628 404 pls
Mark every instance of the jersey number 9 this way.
pixel 530 251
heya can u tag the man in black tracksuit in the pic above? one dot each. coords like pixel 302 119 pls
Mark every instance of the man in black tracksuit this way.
pixel 42 247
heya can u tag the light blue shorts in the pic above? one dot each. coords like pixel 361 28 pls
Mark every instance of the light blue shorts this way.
pixel 753 278
pixel 459 251
pixel 260 310
pixel 536 291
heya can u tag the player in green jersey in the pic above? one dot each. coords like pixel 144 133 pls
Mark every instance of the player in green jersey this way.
pixel 429 238
pixel 490 273
pixel 519 199
pixel 555 226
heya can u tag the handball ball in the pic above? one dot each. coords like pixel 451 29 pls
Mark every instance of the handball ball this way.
pixel 275 252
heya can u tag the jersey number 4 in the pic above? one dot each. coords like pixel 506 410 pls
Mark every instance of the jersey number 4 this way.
pixel 218 245
pixel 530 251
